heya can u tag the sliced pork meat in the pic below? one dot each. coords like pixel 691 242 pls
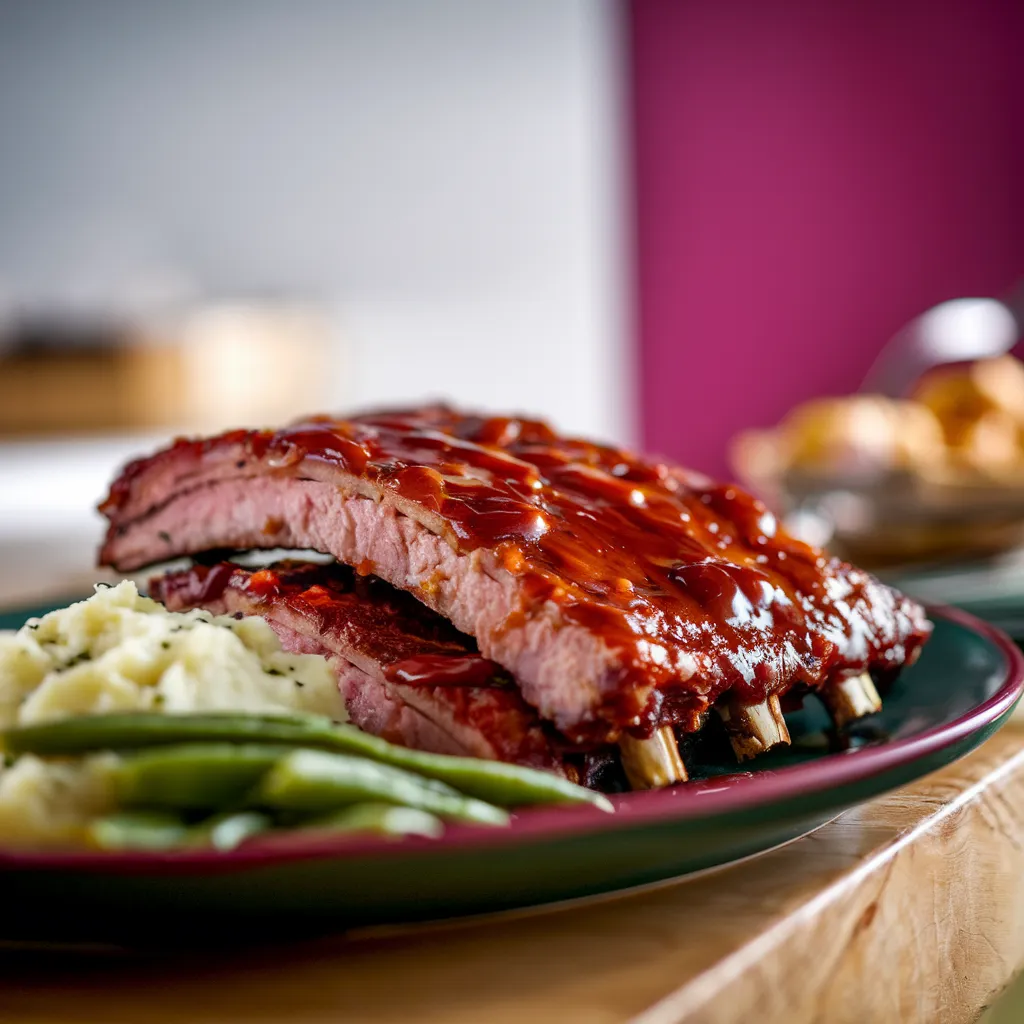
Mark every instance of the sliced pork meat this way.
pixel 623 594
pixel 405 673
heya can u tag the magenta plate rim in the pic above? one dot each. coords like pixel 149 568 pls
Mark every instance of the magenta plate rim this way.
pixel 696 801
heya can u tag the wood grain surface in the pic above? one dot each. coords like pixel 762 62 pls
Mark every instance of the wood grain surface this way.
pixel 908 909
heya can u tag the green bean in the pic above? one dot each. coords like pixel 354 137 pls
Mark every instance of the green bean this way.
pixel 193 776
pixel 496 782
pixel 227 831
pixel 138 830
pixel 493 781
pixel 161 830
pixel 315 781
pixel 381 819
pixel 131 730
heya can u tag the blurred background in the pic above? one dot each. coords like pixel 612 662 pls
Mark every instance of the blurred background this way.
pixel 662 222
pixel 216 213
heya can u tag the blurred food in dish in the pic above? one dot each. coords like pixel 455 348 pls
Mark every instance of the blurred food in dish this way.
pixel 980 407
pixel 857 438
pixel 934 476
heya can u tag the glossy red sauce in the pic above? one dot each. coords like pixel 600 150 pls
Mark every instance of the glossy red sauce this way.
pixel 691 582
pixel 412 644
pixel 366 620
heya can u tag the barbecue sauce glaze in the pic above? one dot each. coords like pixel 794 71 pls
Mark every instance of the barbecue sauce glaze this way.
pixel 692 583
pixel 385 632
pixel 414 645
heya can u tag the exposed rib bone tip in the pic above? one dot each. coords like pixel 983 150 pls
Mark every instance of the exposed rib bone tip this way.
pixel 850 699
pixel 754 729
pixel 654 762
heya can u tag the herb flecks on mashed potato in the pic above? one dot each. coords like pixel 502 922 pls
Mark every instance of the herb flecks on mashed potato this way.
pixel 120 651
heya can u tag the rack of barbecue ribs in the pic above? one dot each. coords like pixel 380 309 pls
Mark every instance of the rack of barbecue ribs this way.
pixel 498 589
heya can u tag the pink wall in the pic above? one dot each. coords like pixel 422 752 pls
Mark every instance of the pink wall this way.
pixel 808 176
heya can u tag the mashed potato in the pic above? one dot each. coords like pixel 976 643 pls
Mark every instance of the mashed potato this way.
pixel 50 803
pixel 120 651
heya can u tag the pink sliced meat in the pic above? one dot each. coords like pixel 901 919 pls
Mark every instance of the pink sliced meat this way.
pixel 389 652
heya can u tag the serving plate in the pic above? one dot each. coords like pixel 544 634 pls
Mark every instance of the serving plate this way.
pixel 964 687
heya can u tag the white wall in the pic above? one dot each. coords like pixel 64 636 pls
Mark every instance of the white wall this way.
pixel 443 173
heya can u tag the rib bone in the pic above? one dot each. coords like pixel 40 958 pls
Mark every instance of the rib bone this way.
pixel 654 762
pixel 850 699
pixel 754 728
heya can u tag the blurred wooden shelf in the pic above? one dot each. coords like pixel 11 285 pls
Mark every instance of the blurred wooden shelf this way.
pixel 207 368
pixel 90 390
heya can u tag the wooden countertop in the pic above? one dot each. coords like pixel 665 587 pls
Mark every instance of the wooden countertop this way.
pixel 910 908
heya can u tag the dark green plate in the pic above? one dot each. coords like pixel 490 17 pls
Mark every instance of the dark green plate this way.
pixel 962 689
